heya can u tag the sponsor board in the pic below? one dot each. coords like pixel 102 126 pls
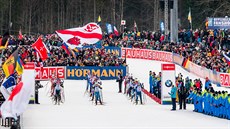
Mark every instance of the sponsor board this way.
pixel 105 73
pixel 147 54
pixel 219 23
pixel 225 79
pixel 168 76
pixel 45 73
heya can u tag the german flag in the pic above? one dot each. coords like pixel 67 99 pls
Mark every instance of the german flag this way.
pixel 12 64
pixel 185 63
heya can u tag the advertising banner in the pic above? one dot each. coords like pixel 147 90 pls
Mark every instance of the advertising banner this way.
pixel 45 73
pixel 167 80
pixel 219 23
pixel 105 73
pixel 114 50
pixel 147 54
pixel 225 79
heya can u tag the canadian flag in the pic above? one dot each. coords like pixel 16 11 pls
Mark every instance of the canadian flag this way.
pixel 41 49
pixel 89 34
pixel 115 31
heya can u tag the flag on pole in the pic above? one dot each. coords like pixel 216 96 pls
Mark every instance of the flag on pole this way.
pixel 12 64
pixel 41 49
pixel 99 20
pixel 189 16
pixel 88 34
pixel 115 31
pixel 135 27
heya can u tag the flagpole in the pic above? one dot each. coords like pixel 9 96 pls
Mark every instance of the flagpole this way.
pixel 190 16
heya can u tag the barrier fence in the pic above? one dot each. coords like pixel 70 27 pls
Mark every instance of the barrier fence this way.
pixel 221 79
pixel 110 72
pixel 80 73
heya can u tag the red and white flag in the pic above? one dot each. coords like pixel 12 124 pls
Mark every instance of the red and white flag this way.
pixel 89 34
pixel 18 101
pixel 115 31
pixel 41 49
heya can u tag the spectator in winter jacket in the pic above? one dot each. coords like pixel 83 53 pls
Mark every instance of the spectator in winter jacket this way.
pixel 182 93
pixel 150 82
pixel 207 83
pixel 173 97
pixel 119 80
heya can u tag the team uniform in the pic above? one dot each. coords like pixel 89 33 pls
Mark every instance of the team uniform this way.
pixel 97 91
pixel 138 90
pixel 53 79
pixel 88 81
pixel 57 91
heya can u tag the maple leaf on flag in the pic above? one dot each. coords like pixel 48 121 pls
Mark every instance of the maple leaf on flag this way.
pixel 74 41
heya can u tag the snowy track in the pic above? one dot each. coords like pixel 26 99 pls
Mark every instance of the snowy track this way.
pixel 118 112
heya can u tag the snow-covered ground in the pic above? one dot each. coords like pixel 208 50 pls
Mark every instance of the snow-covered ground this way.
pixel 118 112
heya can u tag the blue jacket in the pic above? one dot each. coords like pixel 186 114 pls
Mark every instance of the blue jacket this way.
pixel 150 79
pixel 207 83
pixel 173 92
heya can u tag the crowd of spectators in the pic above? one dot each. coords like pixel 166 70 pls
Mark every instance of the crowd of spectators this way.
pixel 58 57
pixel 203 47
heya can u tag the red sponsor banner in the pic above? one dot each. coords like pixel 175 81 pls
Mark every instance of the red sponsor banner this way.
pixel 29 65
pixel 147 54
pixel 45 73
pixel 225 79
pixel 61 72
pixel 168 67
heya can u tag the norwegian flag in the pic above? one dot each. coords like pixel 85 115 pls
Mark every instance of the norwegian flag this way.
pixel 89 34
pixel 115 31
pixel 41 49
